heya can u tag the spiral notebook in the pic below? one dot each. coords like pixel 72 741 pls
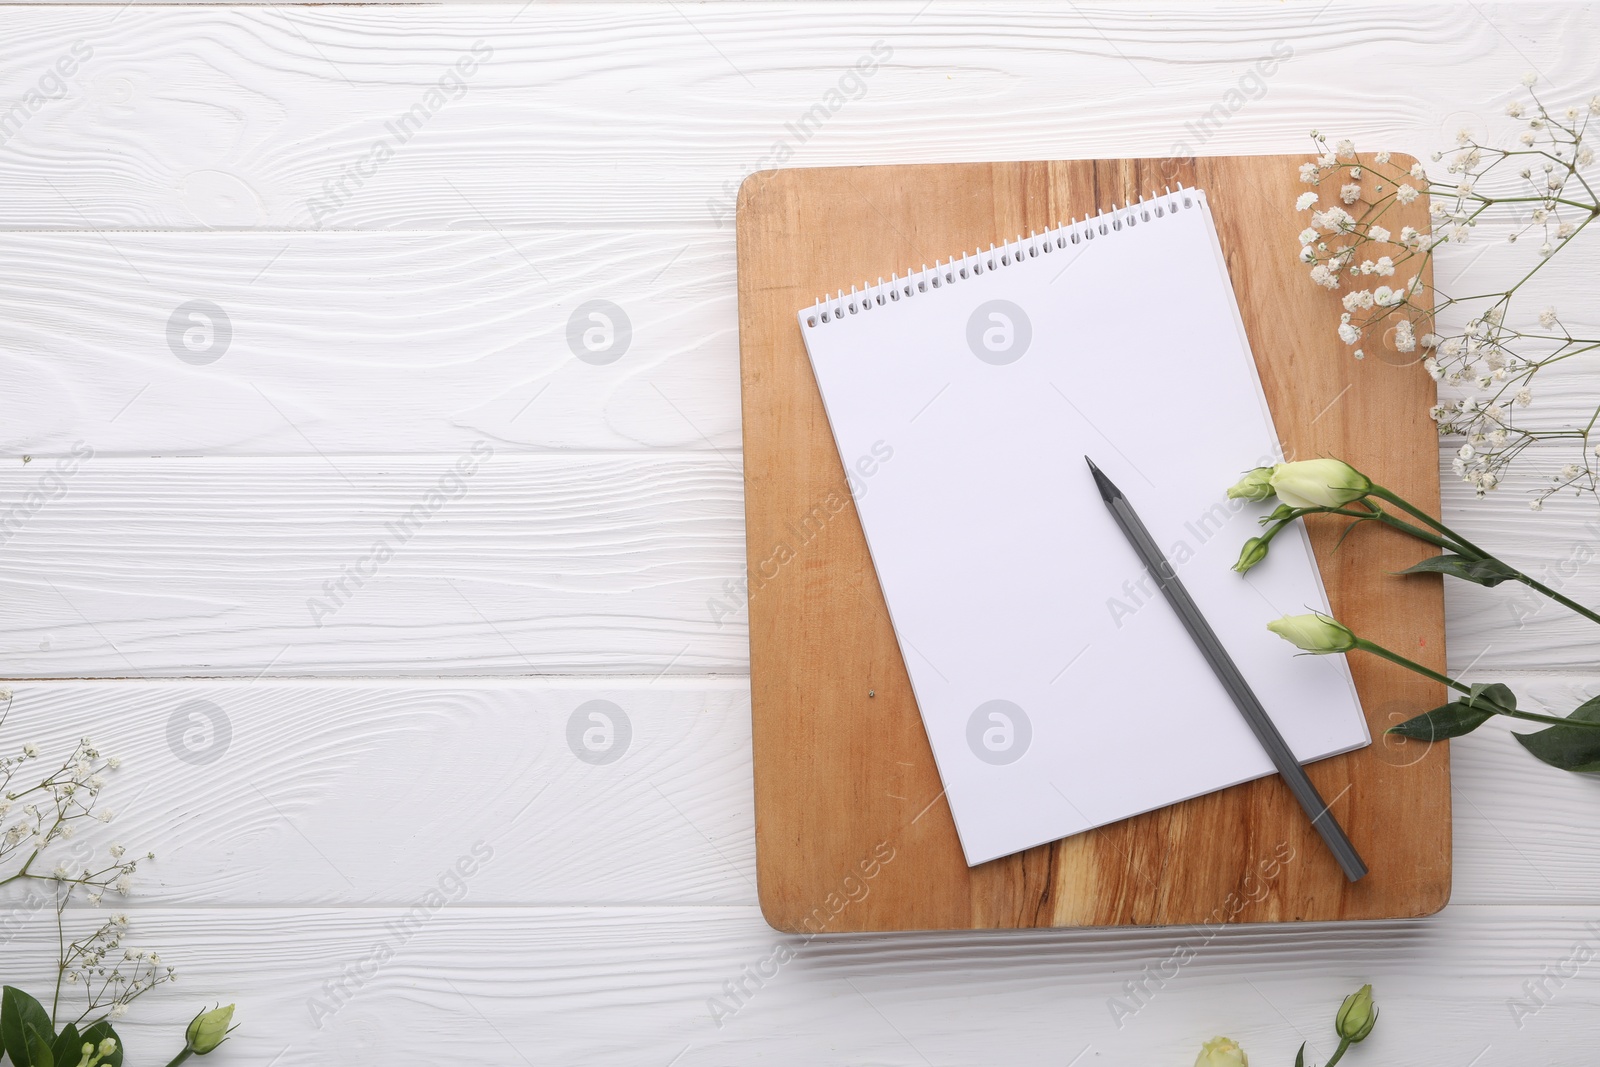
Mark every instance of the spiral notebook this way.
pixel 1058 689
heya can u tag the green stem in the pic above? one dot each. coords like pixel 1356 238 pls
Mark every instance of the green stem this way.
pixel 1344 1044
pixel 1394 657
pixel 1461 542
pixel 1411 509
pixel 180 1057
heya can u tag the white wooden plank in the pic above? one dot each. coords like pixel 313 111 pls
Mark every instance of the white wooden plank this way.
pixel 358 792
pixel 361 793
pixel 1512 626
pixel 621 116
pixel 463 983
pixel 344 342
pixel 485 563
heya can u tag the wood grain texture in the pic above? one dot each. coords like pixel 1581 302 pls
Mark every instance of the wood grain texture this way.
pixel 696 96
pixel 366 343
pixel 361 793
pixel 669 823
pixel 623 985
pixel 839 772
pixel 349 565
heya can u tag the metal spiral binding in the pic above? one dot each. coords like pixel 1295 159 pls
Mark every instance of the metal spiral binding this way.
pixel 1061 236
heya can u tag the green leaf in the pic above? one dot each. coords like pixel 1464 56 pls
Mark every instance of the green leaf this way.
pixel 1459 717
pixel 39 1047
pixel 1300 1057
pixel 1488 572
pixel 1572 748
pixel 1451 720
pixel 98 1033
pixel 18 1014
pixel 68 1048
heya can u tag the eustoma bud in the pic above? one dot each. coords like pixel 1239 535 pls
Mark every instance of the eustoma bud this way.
pixel 1314 633
pixel 208 1030
pixel 1255 485
pixel 1318 483
pixel 1357 1015
pixel 1253 552
pixel 1222 1052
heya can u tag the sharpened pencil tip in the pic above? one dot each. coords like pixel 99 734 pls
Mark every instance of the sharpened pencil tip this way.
pixel 1108 489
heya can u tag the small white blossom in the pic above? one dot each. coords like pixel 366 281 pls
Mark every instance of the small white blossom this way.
pixel 1404 338
pixel 1350 193
pixel 1348 333
pixel 1305 201
pixel 1405 194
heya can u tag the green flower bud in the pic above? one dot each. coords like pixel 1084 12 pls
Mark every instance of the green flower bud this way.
pixel 1357 1015
pixel 1319 483
pixel 1314 633
pixel 208 1030
pixel 1255 485
pixel 1253 552
pixel 1222 1052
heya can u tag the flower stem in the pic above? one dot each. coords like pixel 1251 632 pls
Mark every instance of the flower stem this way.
pixel 180 1057
pixel 1394 657
pixel 1344 1044
pixel 1461 543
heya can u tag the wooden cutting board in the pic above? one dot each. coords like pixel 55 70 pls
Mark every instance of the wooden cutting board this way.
pixel 852 831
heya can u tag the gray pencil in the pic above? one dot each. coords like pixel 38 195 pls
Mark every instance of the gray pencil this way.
pixel 1228 674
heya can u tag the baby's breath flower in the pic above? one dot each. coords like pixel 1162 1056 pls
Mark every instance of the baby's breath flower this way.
pixel 1304 201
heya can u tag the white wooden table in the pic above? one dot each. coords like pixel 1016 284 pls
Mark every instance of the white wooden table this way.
pixel 317 731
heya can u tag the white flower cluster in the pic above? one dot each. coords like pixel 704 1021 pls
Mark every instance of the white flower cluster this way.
pixel 38 821
pixel 1486 364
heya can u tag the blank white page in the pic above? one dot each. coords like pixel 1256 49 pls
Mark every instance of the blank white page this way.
pixel 1059 690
